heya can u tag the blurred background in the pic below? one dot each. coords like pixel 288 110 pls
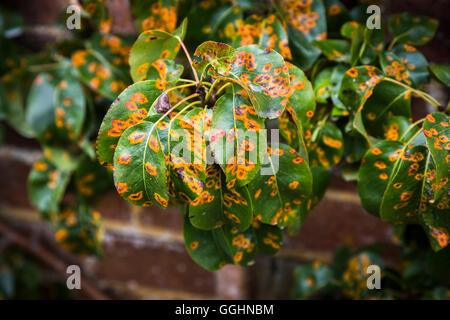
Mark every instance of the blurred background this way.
pixel 144 254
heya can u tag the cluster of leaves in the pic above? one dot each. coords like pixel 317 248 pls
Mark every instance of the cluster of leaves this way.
pixel 420 273
pixel 21 277
pixel 57 96
pixel 339 94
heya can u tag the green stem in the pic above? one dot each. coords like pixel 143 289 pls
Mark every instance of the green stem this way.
pixel 391 45
pixel 410 127
pixel 180 86
pixel 210 91
pixel 223 88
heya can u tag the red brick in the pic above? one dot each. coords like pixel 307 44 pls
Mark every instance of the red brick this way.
pixel 170 218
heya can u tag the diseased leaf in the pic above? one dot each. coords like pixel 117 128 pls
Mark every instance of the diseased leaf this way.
pixel 437 132
pixel 130 108
pixel 404 63
pixel 374 173
pixel 219 56
pixel 91 180
pixel 311 279
pixel 237 139
pixel 165 73
pixel 334 49
pixel 140 174
pixel 412 30
pixel 263 75
pixel 274 36
pixel 202 248
pixel 326 146
pixel 46 186
pixel 78 230
pixel 442 73
pixel 155 14
pixel 306 22
pixel 337 15
pixel 239 246
pixel 280 186
pixel 269 239
pixel 152 45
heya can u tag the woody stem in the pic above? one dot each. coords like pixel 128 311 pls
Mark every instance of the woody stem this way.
pixel 188 56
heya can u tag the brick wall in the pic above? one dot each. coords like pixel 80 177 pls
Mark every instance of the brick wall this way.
pixel 144 251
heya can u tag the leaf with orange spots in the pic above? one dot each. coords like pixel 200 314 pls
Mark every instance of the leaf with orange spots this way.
pixel 140 172
pixel 152 45
pixel 98 12
pixel 274 36
pixel 438 142
pixel 388 99
pixel 269 239
pixel 337 15
pixel 418 30
pixel 306 21
pixel 91 181
pixel 79 230
pixel 155 14
pixel 218 204
pixel 249 31
pixel 239 246
pixel 216 55
pixel 326 146
pixel 186 157
pixel 202 247
pixel 404 63
pixel 237 139
pixel 56 108
pixel 311 279
pixel 283 182
pixel 442 73
pixel 129 108
pixel 99 74
pixel 46 186
pixel 355 32
pixel 374 174
pixel 263 75
pixel 165 73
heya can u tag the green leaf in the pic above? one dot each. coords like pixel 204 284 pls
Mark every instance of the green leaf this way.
pixel 98 74
pixel 269 239
pixel 374 174
pixel 187 157
pixel 322 85
pixel 334 50
pixel 218 204
pixel 46 186
pixel 140 172
pixel 357 86
pixel 311 279
pixel 263 74
pixel 130 108
pixel 202 248
pixel 281 186
pixel 405 63
pixel 219 56
pixel 78 230
pixel 236 138
pixel 442 73
pixel 12 104
pixel 274 36
pixel 56 108
pixel 437 132
pixel 239 246
pixel 98 11
pixel 306 22
pixel 412 30
pixel 337 15
pixel 155 14
pixel 91 180
pixel 326 146
pixel 387 99
pixel 354 31
pixel 152 45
